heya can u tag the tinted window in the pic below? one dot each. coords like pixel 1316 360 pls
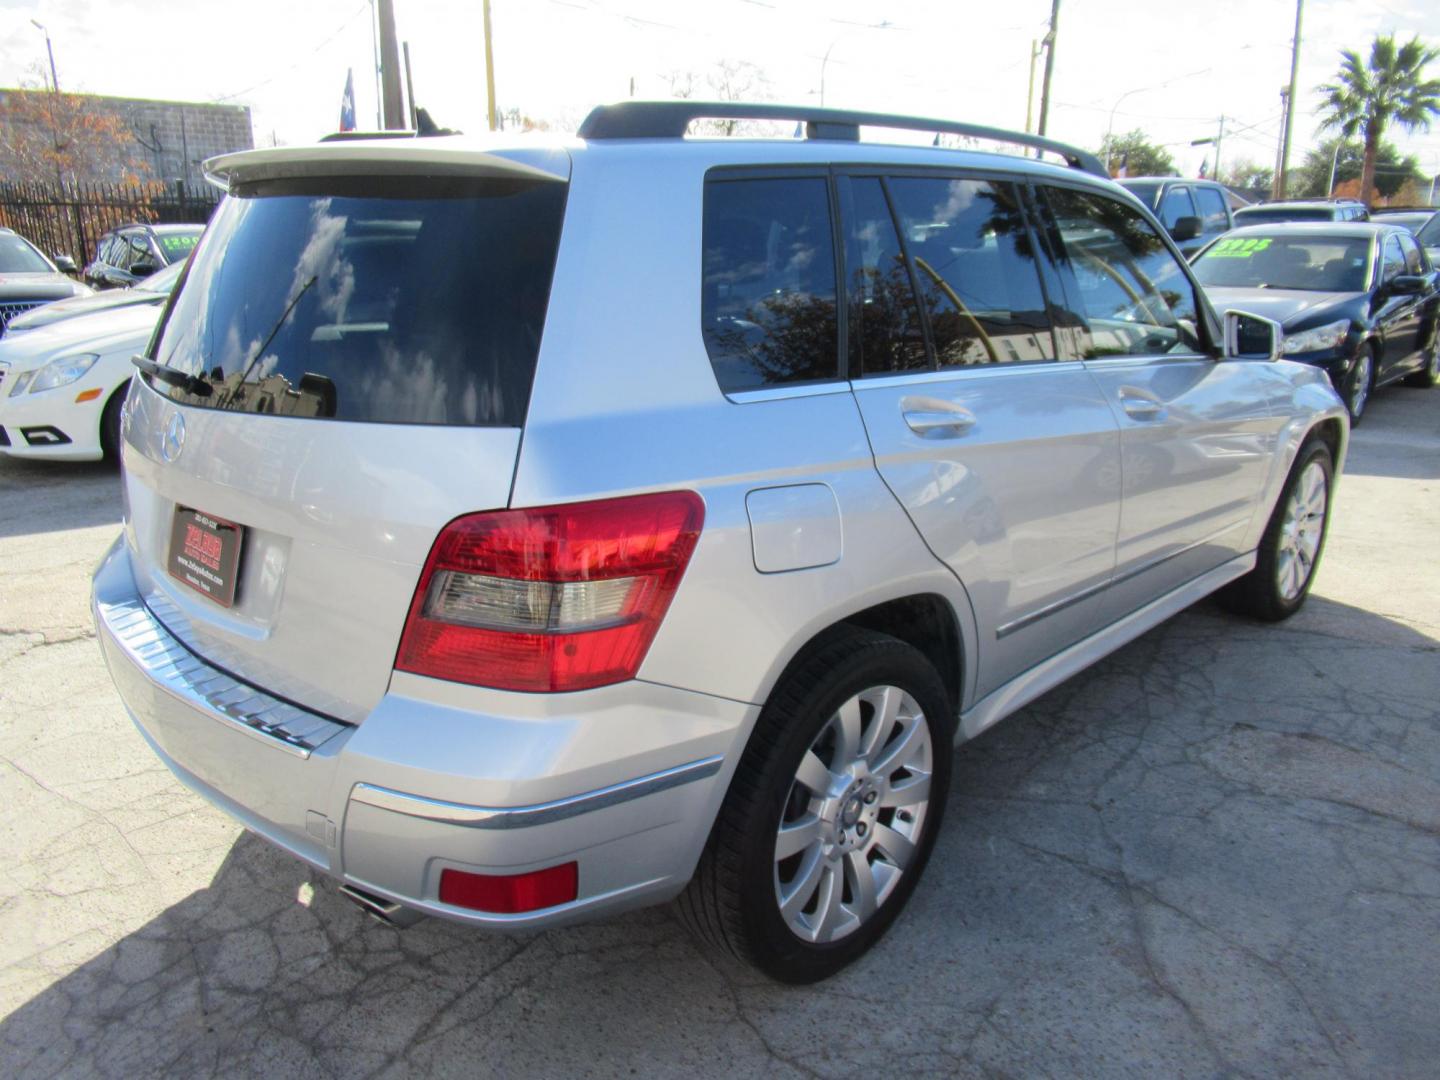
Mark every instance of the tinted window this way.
pixel 1309 263
pixel 886 330
pixel 975 268
pixel 18 257
pixel 1393 261
pixel 1175 205
pixel 768 308
pixel 1144 190
pixel 400 299
pixel 1265 215
pixel 1132 293
pixel 1414 258
pixel 1212 209
pixel 1429 233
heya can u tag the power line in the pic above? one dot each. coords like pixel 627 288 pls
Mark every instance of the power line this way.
pixel 269 79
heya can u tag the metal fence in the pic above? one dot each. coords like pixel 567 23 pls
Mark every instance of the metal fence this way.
pixel 68 219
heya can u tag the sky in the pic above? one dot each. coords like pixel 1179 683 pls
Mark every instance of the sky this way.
pixel 1169 69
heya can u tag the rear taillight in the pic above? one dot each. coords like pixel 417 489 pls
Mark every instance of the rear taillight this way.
pixel 551 599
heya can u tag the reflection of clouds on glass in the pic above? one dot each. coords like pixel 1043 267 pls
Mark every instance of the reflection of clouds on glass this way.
pixel 959 197
pixel 801 256
pixel 322 260
pixel 265 367
pixel 415 389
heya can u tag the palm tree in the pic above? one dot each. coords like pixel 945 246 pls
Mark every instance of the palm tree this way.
pixel 1366 98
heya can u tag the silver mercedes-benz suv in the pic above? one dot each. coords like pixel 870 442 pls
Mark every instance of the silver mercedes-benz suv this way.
pixel 523 532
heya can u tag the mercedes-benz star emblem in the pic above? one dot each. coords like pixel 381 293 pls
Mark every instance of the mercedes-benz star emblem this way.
pixel 173 440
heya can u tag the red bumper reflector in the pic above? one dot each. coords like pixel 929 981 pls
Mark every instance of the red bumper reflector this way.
pixel 513 893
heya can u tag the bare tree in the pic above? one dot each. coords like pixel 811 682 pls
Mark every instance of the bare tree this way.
pixel 45 135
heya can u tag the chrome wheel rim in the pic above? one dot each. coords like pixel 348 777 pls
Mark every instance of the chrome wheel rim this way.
pixel 1360 385
pixel 1301 531
pixel 854 815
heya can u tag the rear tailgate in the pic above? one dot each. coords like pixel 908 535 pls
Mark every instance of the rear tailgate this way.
pixel 359 341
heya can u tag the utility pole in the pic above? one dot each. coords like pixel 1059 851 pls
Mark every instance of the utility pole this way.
pixel 410 88
pixel 489 71
pixel 1030 92
pixel 1281 178
pixel 375 48
pixel 1049 43
pixel 393 100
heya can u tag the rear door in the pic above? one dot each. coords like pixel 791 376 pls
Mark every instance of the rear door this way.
pixel 1398 313
pixel 1006 459
pixel 360 352
pixel 1196 435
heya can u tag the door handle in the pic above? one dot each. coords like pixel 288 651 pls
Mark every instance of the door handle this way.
pixel 1140 404
pixel 934 418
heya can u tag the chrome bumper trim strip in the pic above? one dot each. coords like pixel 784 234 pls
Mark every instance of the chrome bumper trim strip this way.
pixel 172 667
pixel 520 817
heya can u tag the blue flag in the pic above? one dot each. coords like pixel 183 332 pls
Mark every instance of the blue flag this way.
pixel 347 103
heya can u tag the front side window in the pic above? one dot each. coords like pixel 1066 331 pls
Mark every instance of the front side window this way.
pixel 1132 293
pixel 1393 260
pixel 1414 260
pixel 395 299
pixel 768 305
pixel 887 333
pixel 975 268
pixel 1212 208
pixel 1175 205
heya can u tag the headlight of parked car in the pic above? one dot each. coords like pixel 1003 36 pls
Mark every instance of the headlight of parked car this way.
pixel 62 372
pixel 1330 336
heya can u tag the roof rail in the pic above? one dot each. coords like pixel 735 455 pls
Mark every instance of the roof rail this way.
pixel 670 119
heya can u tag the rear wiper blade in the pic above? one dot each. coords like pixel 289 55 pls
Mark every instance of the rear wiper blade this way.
pixel 191 384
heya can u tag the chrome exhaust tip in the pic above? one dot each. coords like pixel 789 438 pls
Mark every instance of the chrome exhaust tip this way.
pixel 377 907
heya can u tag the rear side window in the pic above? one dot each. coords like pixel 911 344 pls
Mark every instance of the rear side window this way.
pixel 768 307
pixel 975 268
pixel 1133 295
pixel 386 299
pixel 886 332
pixel 1212 209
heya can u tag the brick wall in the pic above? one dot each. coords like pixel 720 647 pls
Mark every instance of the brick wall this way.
pixel 171 137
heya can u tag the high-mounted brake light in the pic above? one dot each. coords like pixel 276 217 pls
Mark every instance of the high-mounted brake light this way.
pixel 551 599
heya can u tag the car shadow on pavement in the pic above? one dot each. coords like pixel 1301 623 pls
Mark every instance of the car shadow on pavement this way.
pixel 41 496
pixel 1212 853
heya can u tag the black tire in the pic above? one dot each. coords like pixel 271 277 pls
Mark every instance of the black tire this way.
pixel 1429 375
pixel 731 902
pixel 110 425
pixel 1258 594
pixel 1357 398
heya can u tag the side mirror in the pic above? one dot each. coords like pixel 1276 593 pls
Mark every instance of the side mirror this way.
pixel 1251 337
pixel 1185 228
pixel 1405 285
pixel 65 264
pixel 143 268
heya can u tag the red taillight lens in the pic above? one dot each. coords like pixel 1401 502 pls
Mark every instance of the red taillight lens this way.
pixel 552 599
pixel 508 894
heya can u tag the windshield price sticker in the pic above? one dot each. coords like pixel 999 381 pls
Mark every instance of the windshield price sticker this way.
pixel 1235 247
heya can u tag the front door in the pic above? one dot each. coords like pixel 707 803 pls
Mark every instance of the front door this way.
pixel 1196 434
pixel 1006 459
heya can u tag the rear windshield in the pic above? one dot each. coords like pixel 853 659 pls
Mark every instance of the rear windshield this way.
pixel 1144 190
pixel 1258 215
pixel 386 299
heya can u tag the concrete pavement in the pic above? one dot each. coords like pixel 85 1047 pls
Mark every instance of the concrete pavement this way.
pixel 1215 854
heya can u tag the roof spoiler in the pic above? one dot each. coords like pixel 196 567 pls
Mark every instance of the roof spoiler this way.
pixel 670 119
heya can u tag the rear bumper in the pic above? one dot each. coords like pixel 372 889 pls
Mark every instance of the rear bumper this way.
pixel 624 780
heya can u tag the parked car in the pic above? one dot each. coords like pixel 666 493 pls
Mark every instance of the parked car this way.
pixel 1302 210
pixel 714 623
pixel 28 278
pixel 1413 218
pixel 1194 212
pixel 131 253
pixel 1357 300
pixel 152 290
pixel 62 386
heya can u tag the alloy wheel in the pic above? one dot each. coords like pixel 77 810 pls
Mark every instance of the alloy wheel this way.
pixel 854 816
pixel 1360 385
pixel 1301 532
